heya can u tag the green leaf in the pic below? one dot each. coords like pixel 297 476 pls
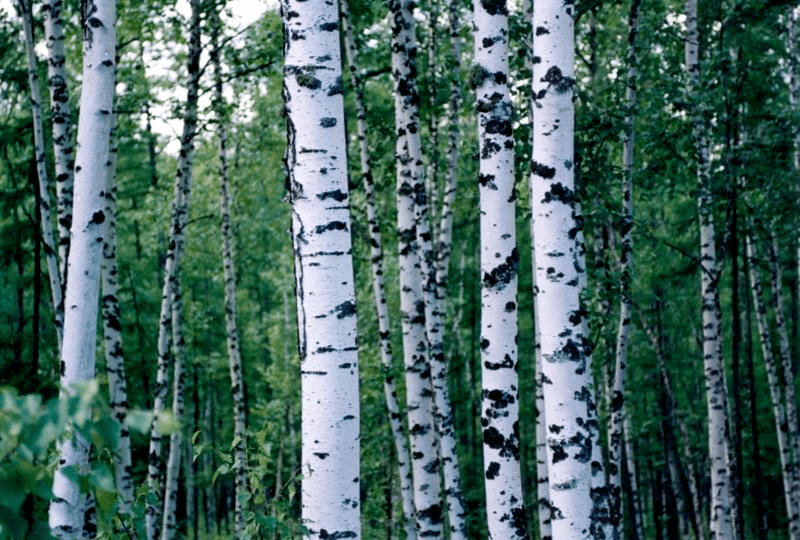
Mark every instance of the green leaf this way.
pixel 139 420
pixel 167 423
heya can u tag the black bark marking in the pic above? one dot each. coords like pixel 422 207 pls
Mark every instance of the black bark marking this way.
pixel 329 26
pixel 557 80
pixel 559 192
pixel 332 226
pixel 327 122
pixel 541 30
pixel 308 81
pixel 336 88
pixel 492 470
pixel 501 275
pixel 321 455
pixel 345 309
pixel 432 514
pixel 337 195
pixel 495 7
pixel 498 126
pixel 98 218
pixel 542 170
pixel 506 363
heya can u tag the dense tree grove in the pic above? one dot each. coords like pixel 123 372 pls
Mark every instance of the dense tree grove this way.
pixel 365 269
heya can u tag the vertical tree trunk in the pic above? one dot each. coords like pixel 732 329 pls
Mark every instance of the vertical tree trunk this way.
pixel 56 292
pixel 783 429
pixel 229 273
pixel 419 389
pixel 112 332
pixel 721 527
pixel 161 522
pixel 72 513
pixel 572 428
pixel 618 410
pixel 183 184
pixel 62 125
pixel 326 309
pixel 378 289
pixel 499 261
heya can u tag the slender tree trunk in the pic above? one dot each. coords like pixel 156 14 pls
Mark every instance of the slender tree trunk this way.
pixel 783 429
pixel 72 513
pixel 162 522
pixel 62 125
pixel 419 389
pixel 229 273
pixel 183 186
pixel 572 427
pixel 618 410
pixel 499 261
pixel 378 289
pixel 407 99
pixel 24 10
pixel 112 332
pixel 721 527
pixel 326 309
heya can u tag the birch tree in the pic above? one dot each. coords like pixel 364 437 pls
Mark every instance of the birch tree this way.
pixel 229 276
pixel 720 523
pixel 499 261
pixel 326 310
pixel 62 124
pixel 71 512
pixel 183 185
pixel 378 287
pixel 618 412
pixel 56 291
pixel 112 337
pixel 159 513
pixel 569 407
pixel 783 429
pixel 410 184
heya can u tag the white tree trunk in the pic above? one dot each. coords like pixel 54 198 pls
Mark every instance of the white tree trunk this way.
pixel 229 275
pixel 62 125
pixel 112 336
pixel 721 526
pixel 419 388
pixel 617 409
pixel 505 509
pixel 569 407
pixel 378 288
pixel 783 429
pixel 56 291
pixel 326 309
pixel 183 185
pixel 72 513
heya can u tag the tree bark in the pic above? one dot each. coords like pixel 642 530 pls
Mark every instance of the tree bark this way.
pixel 24 10
pixel 112 336
pixel 72 513
pixel 326 309
pixel 572 426
pixel 62 125
pixel 505 510
pixel 410 184
pixel 378 289
pixel 720 523
pixel 183 185
pixel 229 275
pixel 618 410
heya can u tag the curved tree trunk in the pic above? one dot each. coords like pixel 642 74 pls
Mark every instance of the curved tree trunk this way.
pixel 721 525
pixel 56 291
pixel 72 513
pixel 572 427
pixel 410 183
pixel 378 289
pixel 499 261
pixel 62 125
pixel 326 309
